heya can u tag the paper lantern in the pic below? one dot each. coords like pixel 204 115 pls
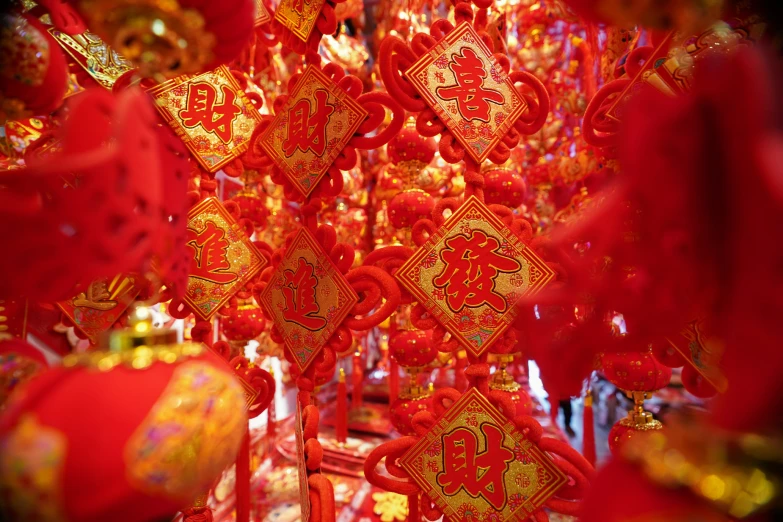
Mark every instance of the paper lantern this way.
pixel 145 440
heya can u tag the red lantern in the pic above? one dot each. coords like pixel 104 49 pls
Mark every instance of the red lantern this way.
pixel 32 67
pixel 504 186
pixel 409 145
pixel 410 206
pixel 403 409
pixel 412 348
pixel 633 371
pixel 145 440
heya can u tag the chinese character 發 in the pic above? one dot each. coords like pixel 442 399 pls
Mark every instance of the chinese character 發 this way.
pixel 472 264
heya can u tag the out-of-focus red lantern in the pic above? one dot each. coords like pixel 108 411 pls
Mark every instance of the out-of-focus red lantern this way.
pixel 404 408
pixel 504 186
pixel 242 324
pixel 410 206
pixel 252 207
pixel 409 145
pixel 144 441
pixel 638 375
pixel 32 67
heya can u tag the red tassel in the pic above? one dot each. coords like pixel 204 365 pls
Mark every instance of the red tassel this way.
pixel 242 487
pixel 357 377
pixel 588 430
pixel 341 427
pixel 554 405
pixel 394 381
pixel 413 508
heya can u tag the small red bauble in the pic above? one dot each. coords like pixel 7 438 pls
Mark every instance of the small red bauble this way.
pixel 409 145
pixel 412 348
pixel 252 207
pixel 635 371
pixel 244 323
pixel 402 411
pixel 410 206
pixel 503 186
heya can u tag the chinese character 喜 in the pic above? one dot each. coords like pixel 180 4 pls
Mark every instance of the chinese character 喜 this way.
pixel 472 264
pixel 472 97
pixel 308 131
pixel 299 294
pixel 209 248
pixel 202 110
pixel 480 474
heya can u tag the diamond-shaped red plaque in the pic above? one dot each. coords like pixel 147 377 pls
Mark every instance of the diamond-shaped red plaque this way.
pixel 262 13
pixel 100 305
pixel 311 130
pixel 469 274
pixel 695 345
pixel 210 113
pixel 299 16
pixel 475 462
pixel 463 83
pixel 307 298
pixel 224 258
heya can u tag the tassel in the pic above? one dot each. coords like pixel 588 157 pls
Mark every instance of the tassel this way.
pixel 554 405
pixel 242 486
pixel 271 421
pixel 460 379
pixel 200 512
pixel 413 508
pixel 341 427
pixel 394 381
pixel 588 429
pixel 357 377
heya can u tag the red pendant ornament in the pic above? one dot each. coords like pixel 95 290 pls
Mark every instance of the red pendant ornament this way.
pixel 309 133
pixel 100 305
pixel 465 86
pixel 223 258
pixel 307 298
pixel 699 354
pixel 300 24
pixel 475 463
pixel 470 461
pixel 318 129
pixel 471 272
pixel 459 89
pixel 211 114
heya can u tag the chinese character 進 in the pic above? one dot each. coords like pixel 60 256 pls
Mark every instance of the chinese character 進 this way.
pixel 299 294
pixel 478 473
pixel 472 264
pixel 97 297
pixel 202 110
pixel 307 131
pixel 210 261
pixel 472 97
